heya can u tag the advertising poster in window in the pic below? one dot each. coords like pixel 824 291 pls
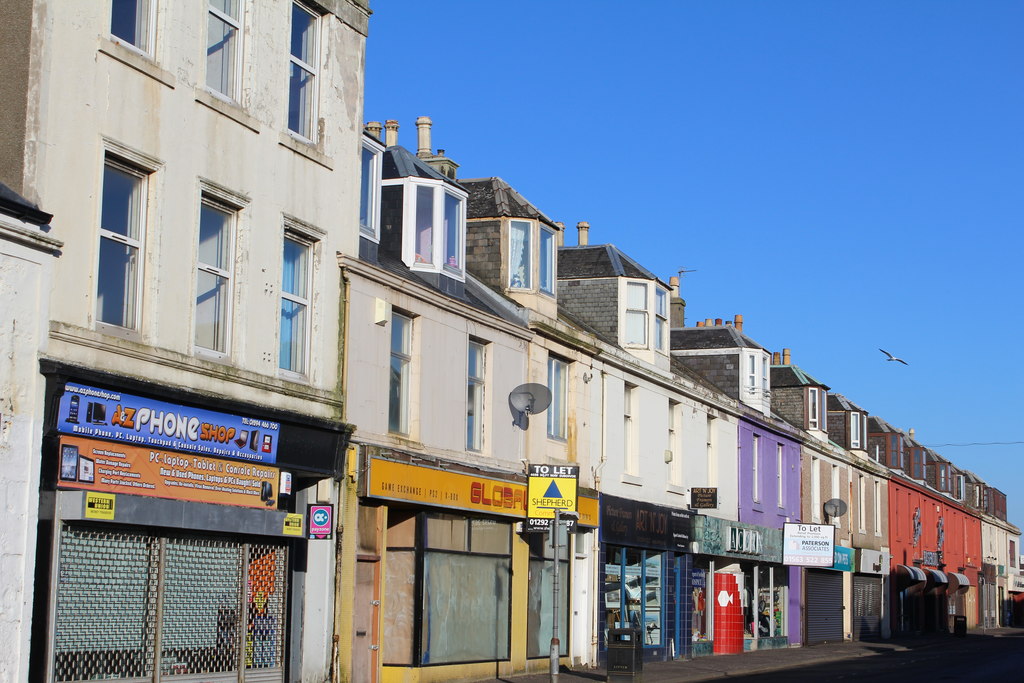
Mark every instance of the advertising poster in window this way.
pixel 121 468
pixel 98 413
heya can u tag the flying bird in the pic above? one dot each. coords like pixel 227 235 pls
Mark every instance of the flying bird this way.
pixel 892 357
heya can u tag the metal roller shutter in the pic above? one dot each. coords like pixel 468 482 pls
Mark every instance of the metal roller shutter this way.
pixel 867 607
pixel 131 605
pixel 824 606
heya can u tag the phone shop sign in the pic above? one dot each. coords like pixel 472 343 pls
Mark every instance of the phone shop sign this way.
pixel 102 414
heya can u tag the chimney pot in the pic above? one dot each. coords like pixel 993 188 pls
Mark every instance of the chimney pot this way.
pixel 560 234
pixel 700 323
pixel 728 323
pixel 738 322
pixel 390 133
pixel 584 233
pixel 423 125
pixel 775 358
pixel 718 322
pixel 785 357
pixel 677 306
pixel 374 128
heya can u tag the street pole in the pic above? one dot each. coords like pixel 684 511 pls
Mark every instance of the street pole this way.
pixel 554 593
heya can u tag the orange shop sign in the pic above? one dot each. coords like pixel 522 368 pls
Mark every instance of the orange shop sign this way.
pixel 95 465
pixel 400 481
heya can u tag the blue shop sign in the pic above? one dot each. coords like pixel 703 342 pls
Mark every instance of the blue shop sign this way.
pixel 102 414
pixel 843 559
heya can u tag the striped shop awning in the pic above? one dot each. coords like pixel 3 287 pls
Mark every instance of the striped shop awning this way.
pixel 907 576
pixel 958 583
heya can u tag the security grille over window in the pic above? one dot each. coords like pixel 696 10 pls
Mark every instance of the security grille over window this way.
pixel 209 606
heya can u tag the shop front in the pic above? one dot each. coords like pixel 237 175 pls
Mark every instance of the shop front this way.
pixel 645 571
pixel 740 590
pixel 461 587
pixel 172 526
pixel 1017 599
pixel 824 605
pixel 868 592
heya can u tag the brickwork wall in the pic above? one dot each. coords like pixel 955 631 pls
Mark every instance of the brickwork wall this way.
pixel 837 428
pixel 788 403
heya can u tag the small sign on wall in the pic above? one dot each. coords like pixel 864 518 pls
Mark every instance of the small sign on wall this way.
pixel 320 519
pixel 704 498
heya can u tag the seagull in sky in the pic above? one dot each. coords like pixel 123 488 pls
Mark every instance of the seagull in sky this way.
pixel 892 357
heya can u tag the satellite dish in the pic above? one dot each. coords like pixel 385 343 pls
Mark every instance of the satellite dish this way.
pixel 526 400
pixel 834 508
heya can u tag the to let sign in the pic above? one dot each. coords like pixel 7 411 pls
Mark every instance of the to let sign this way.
pixel 550 488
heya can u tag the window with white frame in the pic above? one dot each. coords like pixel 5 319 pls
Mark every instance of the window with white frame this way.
pixel 520 270
pixel 214 259
pixel 779 478
pixel 764 375
pixel 296 273
pixel 751 374
pixel 958 487
pixel 815 489
pixel 303 71
pixel 855 430
pixel 434 225
pixel 399 376
pixel 660 318
pixel 636 313
pixel 861 504
pixel 711 461
pixel 547 261
pixel 558 386
pixel 122 230
pixel 835 492
pixel 369 189
pixel 943 476
pixel 755 467
pixel 223 47
pixel 629 449
pixel 876 499
pixel 131 23
pixel 475 396
pixel 674 420
pixel 812 408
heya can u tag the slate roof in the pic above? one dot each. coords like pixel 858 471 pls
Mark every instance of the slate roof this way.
pixel 877 425
pixel 840 402
pixel 793 376
pixel 699 338
pixel 13 204
pixel 599 260
pixel 493 198
pixel 401 163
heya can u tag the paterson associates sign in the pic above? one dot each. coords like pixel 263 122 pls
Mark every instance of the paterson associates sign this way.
pixel 808 545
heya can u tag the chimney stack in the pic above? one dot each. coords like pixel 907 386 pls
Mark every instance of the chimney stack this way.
pixel 560 235
pixel 718 322
pixel 700 323
pixel 911 433
pixel 776 359
pixel 737 320
pixel 677 306
pixel 390 133
pixel 374 128
pixel 785 356
pixel 423 125
pixel 584 233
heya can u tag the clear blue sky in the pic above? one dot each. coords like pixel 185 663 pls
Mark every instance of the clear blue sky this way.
pixel 847 175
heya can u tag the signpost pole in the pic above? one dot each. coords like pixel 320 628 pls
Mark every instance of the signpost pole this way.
pixel 554 593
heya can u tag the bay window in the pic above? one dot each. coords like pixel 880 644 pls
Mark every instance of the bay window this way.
pixel 369 190
pixel 660 318
pixel 636 313
pixel 520 270
pixel 433 225
pixel 547 260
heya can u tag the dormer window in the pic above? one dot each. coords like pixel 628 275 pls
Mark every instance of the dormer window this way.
pixel 522 235
pixel 547 260
pixel 369 190
pixel 813 409
pixel 433 225
pixel 855 430
pixel 660 318
pixel 636 313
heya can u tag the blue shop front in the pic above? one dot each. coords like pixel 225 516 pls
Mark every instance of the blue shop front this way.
pixel 645 565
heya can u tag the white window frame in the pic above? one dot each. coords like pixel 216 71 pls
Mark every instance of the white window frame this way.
pixel 877 491
pixel 369 188
pixel 475 397
pixel 861 504
pixel 216 204
pixel 813 408
pixel 642 312
pixel 856 430
pixel 764 374
pixel 755 467
pixel 958 487
pixel 780 480
pixel 312 70
pixel 526 227
pixel 235 82
pixel 147 7
pixel 660 318
pixel 309 244
pixel 815 489
pixel 837 521
pixel 439 191
pixel 751 373
pixel 558 384
pixel 549 251
pixel 631 463
pixel 404 357
pixel 132 301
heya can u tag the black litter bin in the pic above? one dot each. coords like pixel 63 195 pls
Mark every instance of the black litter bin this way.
pixel 959 626
pixel 625 655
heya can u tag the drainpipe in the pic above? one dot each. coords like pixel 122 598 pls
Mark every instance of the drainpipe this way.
pixel 595 590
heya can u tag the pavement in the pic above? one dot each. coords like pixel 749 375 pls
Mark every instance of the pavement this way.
pixel 761 661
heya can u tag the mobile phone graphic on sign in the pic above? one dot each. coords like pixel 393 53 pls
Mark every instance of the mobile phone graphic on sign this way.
pixel 86 470
pixel 69 463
